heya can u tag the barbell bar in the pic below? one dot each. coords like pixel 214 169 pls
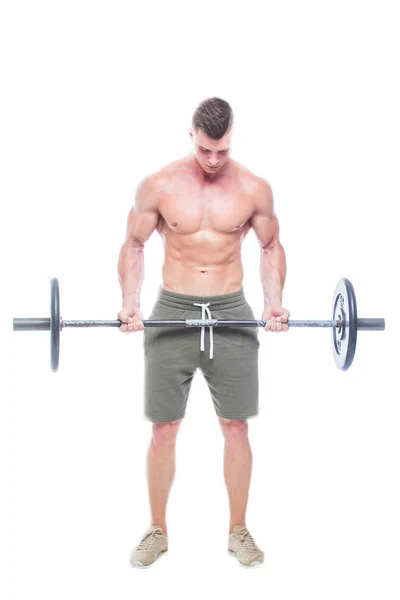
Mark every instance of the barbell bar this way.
pixel 43 324
pixel 344 324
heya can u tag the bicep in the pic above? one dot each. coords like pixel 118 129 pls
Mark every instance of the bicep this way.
pixel 266 228
pixel 143 216
pixel 264 220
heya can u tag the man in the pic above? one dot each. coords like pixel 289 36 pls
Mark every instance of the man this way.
pixel 202 205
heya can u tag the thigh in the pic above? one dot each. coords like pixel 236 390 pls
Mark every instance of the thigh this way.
pixel 170 361
pixel 232 375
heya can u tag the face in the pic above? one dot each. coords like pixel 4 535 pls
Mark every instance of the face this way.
pixel 211 154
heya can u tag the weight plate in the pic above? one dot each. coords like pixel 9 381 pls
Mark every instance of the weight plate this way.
pixel 344 339
pixel 55 324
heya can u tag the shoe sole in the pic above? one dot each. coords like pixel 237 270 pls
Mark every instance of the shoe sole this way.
pixel 138 565
pixel 252 565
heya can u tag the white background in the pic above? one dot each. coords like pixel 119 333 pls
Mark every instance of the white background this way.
pixel 95 96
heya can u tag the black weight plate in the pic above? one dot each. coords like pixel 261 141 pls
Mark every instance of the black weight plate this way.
pixel 55 324
pixel 344 343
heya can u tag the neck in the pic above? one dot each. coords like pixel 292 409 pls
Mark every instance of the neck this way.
pixel 205 177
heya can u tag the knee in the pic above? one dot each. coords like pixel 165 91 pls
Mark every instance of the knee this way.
pixel 164 434
pixel 234 430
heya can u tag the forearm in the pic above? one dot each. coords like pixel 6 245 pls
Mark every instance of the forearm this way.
pixel 273 274
pixel 131 274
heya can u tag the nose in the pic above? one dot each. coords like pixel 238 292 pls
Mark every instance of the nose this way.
pixel 213 162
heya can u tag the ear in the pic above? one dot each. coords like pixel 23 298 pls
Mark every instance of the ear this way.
pixel 191 132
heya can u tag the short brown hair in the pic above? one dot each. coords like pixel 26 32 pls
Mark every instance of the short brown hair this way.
pixel 214 117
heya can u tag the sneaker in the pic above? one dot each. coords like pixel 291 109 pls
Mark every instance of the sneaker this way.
pixel 243 547
pixel 151 546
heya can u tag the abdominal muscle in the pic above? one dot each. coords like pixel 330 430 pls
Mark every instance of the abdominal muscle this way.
pixel 203 269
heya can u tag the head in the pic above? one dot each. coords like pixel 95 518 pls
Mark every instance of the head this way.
pixel 211 133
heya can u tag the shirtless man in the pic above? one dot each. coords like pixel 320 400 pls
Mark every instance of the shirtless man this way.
pixel 202 205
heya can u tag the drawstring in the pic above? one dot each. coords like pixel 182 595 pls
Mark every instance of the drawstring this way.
pixel 204 308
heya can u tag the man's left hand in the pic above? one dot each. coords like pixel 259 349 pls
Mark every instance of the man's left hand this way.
pixel 277 318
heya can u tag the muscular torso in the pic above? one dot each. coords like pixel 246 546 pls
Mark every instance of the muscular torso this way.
pixel 203 224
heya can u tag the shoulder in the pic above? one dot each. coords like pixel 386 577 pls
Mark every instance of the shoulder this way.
pixel 153 181
pixel 257 189
pixel 264 198
pixel 148 192
pixel 152 186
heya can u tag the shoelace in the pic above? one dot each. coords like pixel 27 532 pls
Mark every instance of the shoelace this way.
pixel 247 540
pixel 149 540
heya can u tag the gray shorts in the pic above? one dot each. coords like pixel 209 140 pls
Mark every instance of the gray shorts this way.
pixel 227 357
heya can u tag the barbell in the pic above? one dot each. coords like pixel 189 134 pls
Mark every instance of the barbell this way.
pixel 344 324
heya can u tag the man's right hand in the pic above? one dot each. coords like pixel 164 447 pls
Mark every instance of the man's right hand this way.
pixel 131 319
